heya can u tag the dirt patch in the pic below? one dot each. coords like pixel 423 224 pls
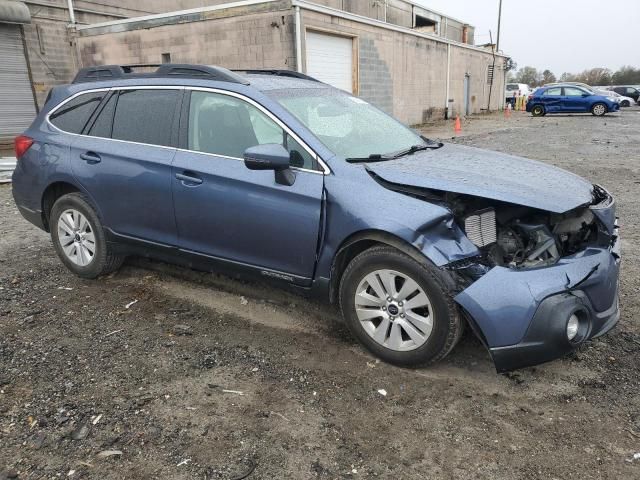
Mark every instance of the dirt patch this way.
pixel 208 377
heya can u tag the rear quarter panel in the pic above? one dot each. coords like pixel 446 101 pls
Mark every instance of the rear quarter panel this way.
pixel 46 162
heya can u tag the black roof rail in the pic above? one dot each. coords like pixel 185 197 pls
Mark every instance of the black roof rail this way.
pixel 280 73
pixel 183 70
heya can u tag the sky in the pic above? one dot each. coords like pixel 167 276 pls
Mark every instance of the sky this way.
pixel 561 35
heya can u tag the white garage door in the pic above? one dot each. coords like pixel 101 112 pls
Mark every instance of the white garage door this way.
pixel 330 59
pixel 17 108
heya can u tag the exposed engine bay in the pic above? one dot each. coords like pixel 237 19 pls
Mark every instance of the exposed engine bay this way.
pixel 521 237
pixel 515 236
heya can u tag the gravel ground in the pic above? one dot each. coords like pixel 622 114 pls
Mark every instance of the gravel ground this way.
pixel 160 372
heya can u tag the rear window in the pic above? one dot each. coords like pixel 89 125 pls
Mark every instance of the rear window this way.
pixel 73 115
pixel 145 116
pixel 512 87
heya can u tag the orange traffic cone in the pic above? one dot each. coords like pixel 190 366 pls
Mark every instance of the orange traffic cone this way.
pixel 458 127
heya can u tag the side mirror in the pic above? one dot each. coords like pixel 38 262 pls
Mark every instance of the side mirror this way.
pixel 271 156
pixel 585 95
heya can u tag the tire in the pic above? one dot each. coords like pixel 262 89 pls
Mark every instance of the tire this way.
pixel 625 103
pixel 398 343
pixel 79 239
pixel 599 109
pixel 537 111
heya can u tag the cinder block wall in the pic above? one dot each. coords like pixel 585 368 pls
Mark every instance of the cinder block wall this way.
pixel 401 73
pixel 49 41
pixel 261 40
pixel 406 75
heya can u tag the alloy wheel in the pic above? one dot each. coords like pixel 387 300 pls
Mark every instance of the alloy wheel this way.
pixel 599 109
pixel 76 237
pixel 394 310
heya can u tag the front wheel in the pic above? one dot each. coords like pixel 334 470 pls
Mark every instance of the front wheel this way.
pixel 399 308
pixel 599 109
pixel 78 237
pixel 537 111
pixel 625 103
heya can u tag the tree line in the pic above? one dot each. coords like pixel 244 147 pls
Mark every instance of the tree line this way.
pixel 595 76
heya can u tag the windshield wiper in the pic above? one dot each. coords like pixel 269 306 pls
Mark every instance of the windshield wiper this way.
pixel 378 157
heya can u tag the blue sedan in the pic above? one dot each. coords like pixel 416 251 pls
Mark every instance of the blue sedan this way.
pixel 569 99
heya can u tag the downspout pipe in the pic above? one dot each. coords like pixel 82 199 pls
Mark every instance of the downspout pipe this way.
pixel 446 100
pixel 72 13
pixel 298 27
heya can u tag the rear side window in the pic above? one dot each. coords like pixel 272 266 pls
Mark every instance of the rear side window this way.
pixel 102 124
pixel 73 115
pixel 145 116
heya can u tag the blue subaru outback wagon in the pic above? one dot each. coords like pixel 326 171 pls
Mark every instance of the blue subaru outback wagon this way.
pixel 277 175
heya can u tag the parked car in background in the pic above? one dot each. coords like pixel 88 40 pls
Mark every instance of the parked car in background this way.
pixel 628 91
pixel 514 90
pixel 569 99
pixel 616 97
pixel 280 177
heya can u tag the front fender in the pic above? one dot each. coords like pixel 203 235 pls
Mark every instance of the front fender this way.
pixel 356 205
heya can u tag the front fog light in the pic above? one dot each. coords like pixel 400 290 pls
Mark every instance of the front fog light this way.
pixel 572 327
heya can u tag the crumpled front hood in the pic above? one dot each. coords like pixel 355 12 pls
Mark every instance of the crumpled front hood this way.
pixel 488 174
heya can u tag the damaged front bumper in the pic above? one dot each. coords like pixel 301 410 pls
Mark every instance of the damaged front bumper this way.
pixel 522 315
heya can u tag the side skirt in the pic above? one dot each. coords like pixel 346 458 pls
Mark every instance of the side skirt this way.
pixel 126 245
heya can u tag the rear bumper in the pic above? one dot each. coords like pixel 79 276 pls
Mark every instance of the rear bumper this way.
pixel 26 190
pixel 522 315
pixel 33 216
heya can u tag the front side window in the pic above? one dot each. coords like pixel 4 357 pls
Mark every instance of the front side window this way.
pixel 553 92
pixel 224 125
pixel 347 125
pixel 573 92
pixel 73 115
pixel 145 116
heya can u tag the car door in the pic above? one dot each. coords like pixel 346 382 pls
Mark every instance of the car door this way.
pixel 552 99
pixel 574 100
pixel 631 92
pixel 124 158
pixel 229 212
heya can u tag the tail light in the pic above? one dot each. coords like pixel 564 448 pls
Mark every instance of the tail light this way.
pixel 21 144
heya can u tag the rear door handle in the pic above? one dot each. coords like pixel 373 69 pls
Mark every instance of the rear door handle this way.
pixel 90 157
pixel 188 179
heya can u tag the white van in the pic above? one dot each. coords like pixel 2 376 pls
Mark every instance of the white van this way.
pixel 518 89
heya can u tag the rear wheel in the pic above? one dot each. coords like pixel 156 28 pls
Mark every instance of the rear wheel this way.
pixel 398 308
pixel 537 111
pixel 625 103
pixel 78 237
pixel 599 109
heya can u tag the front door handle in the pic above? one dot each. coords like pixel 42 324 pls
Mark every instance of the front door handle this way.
pixel 91 157
pixel 188 179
